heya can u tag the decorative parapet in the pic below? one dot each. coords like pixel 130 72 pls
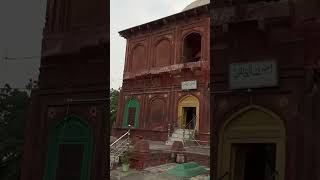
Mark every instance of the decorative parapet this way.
pixel 200 65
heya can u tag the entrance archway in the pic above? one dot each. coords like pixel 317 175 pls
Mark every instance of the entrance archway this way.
pixel 69 151
pixel 188 110
pixel 252 146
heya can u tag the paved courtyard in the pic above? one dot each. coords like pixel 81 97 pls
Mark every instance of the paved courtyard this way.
pixel 152 173
pixel 159 145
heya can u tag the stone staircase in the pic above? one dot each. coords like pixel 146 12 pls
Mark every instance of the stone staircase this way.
pixel 119 147
pixel 117 151
pixel 180 135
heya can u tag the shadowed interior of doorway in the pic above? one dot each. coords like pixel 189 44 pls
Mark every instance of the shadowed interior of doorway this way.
pixel 189 117
pixel 253 161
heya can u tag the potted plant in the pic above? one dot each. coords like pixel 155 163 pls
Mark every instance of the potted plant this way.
pixel 125 162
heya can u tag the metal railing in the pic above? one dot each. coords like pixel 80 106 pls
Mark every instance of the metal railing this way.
pixel 119 146
pixel 191 130
pixel 193 121
pixel 169 130
pixel 190 127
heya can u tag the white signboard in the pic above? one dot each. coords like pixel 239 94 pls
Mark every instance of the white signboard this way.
pixel 187 85
pixel 253 75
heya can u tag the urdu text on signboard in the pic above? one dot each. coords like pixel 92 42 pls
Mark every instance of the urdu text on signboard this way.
pixel 253 75
pixel 188 85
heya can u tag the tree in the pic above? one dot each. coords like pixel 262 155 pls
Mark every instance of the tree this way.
pixel 13 112
pixel 114 98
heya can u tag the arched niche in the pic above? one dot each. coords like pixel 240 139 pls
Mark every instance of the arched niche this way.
pixel 138 60
pixel 162 53
pixel 252 131
pixel 131 113
pixel 69 150
pixel 157 113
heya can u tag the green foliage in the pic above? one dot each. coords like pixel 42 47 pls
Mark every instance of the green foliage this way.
pixel 13 113
pixel 114 98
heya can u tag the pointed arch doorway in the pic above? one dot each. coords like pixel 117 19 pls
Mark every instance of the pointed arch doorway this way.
pixel 70 151
pixel 252 146
pixel 131 113
pixel 188 112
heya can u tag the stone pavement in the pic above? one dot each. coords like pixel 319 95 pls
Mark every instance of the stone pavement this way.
pixel 159 145
pixel 152 173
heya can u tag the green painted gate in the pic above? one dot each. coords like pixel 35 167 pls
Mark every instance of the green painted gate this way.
pixel 69 151
pixel 131 113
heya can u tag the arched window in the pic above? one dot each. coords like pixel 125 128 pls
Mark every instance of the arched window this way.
pixel 131 113
pixel 192 48
pixel 69 151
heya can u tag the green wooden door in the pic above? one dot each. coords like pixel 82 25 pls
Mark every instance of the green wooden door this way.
pixel 131 114
pixel 69 154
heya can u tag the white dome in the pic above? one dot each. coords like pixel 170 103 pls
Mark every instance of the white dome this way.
pixel 196 3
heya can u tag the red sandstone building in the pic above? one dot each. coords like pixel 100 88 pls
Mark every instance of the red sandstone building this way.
pixel 166 75
pixel 265 90
pixel 66 134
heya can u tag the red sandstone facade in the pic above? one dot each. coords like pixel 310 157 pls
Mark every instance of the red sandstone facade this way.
pixel 289 33
pixel 73 66
pixel 155 66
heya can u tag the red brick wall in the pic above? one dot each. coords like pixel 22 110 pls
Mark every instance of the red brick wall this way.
pixel 144 133
pixel 161 78
pixel 170 96
pixel 162 53
pixel 72 66
pixel 278 41
pixel 156 158
pixel 166 40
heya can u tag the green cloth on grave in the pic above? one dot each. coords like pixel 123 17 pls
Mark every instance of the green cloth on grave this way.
pixel 190 169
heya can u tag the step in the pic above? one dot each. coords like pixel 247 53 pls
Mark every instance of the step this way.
pixel 115 153
pixel 186 136
pixel 120 147
pixel 175 139
pixel 114 159
pixel 186 131
pixel 169 143
pixel 117 147
pixel 122 143
pixel 118 151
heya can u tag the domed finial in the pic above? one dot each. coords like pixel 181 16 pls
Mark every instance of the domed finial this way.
pixel 196 4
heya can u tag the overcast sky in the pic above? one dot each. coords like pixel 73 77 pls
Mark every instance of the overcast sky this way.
pixel 128 13
pixel 20 36
pixel 22 22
